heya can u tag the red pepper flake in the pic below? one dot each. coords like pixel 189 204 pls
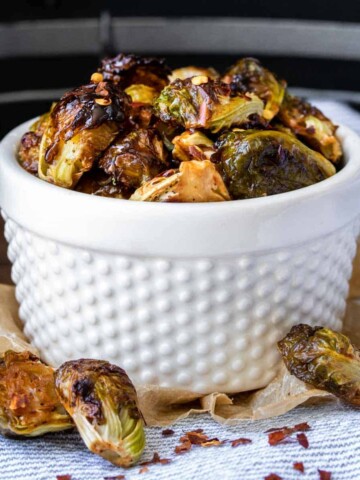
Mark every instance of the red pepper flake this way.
pixel 195 437
pixel 214 442
pixel 240 441
pixel 117 477
pixel 324 475
pixel 184 447
pixel 303 440
pixel 167 432
pixel 272 476
pixel 63 477
pixel 299 466
pixel 156 459
pixel 143 470
pixel 281 436
pixel 302 427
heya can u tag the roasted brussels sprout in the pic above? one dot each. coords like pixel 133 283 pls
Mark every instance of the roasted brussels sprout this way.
pixel 192 71
pixel 192 145
pixel 103 404
pixel 200 102
pixel 29 405
pixel 195 181
pixel 30 145
pixel 325 359
pixel 126 70
pixel 141 94
pixel 256 163
pixel 135 158
pixel 97 182
pixel 81 126
pixel 311 125
pixel 248 75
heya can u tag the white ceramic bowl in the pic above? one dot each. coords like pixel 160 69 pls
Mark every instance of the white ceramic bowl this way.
pixel 193 296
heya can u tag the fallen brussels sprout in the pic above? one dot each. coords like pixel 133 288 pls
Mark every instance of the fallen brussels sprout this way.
pixel 125 70
pixel 102 401
pixel 311 125
pixel 248 75
pixel 195 181
pixel 256 163
pixel 81 126
pixel 135 158
pixel 325 359
pixel 200 102
pixel 192 71
pixel 29 405
pixel 192 145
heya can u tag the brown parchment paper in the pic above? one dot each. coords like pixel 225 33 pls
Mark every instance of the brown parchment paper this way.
pixel 164 406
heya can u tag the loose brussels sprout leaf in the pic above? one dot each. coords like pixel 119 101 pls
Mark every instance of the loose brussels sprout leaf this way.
pixel 30 145
pixel 103 404
pixel 81 126
pixel 28 402
pixel 323 358
pixel 256 163
pixel 312 126
pixel 200 102
pixel 97 182
pixel 192 145
pixel 126 70
pixel 135 158
pixel 248 75
pixel 195 181
pixel 192 71
pixel 141 94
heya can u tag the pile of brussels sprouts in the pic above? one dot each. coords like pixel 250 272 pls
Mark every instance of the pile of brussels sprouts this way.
pixel 140 131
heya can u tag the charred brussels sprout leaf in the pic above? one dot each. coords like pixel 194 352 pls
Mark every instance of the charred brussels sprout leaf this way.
pixel 126 70
pixel 29 405
pixel 192 146
pixel 325 359
pixel 30 144
pixel 97 182
pixel 259 163
pixel 81 126
pixel 195 181
pixel 192 71
pixel 103 404
pixel 312 126
pixel 135 158
pixel 200 102
pixel 248 75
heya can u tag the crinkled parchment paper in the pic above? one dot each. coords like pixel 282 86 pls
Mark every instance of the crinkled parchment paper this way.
pixel 164 406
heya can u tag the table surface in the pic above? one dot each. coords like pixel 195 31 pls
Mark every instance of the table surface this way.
pixel 334 438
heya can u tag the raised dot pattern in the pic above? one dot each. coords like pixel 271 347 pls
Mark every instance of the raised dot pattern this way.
pixel 205 325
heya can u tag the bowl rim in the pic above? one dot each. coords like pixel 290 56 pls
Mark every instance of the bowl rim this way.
pixel 189 235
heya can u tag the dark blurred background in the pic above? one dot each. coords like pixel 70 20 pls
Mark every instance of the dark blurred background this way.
pixel 48 46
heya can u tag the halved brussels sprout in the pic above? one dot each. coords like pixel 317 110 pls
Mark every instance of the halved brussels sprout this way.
pixel 81 126
pixel 195 181
pixel 135 158
pixel 125 70
pixel 192 71
pixel 29 405
pixel 192 145
pixel 325 359
pixel 102 401
pixel 97 182
pixel 312 126
pixel 200 102
pixel 248 75
pixel 141 94
pixel 256 163
pixel 30 144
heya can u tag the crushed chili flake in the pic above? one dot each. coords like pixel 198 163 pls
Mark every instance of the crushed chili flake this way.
pixel 299 466
pixel 324 475
pixel 214 442
pixel 117 477
pixel 156 459
pixel 63 477
pixel 281 436
pixel 302 427
pixel 196 437
pixel 240 441
pixel 183 447
pixel 303 440
pixel 167 432
pixel 144 470
pixel 272 476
